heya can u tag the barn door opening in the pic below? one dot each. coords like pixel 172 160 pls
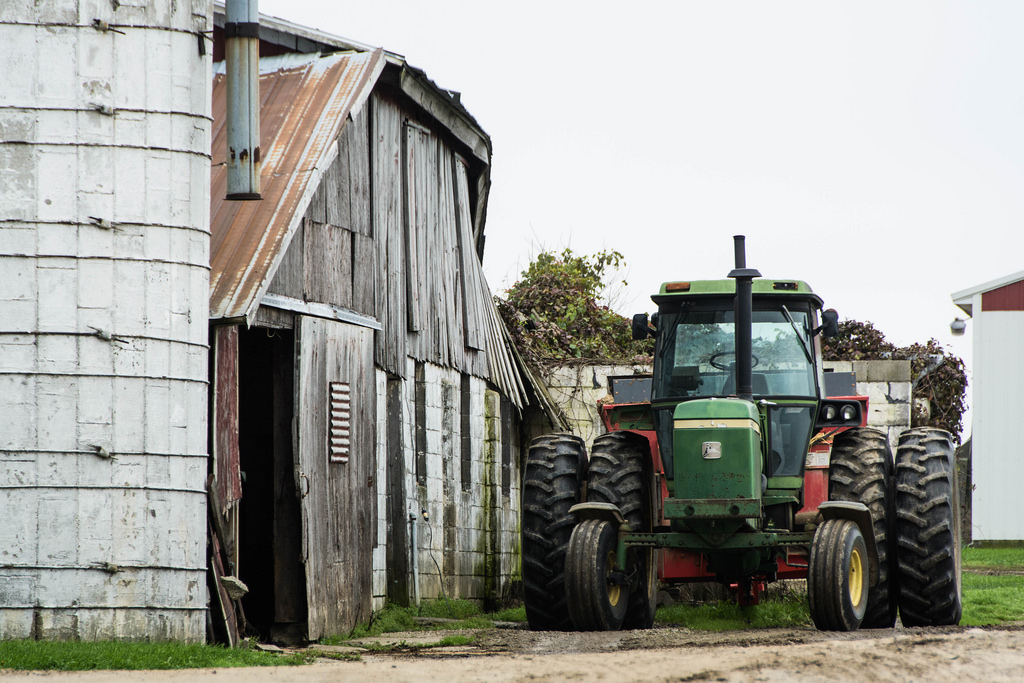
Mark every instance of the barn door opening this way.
pixel 335 465
pixel 269 522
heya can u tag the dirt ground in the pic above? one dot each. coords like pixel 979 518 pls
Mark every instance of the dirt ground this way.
pixel 661 654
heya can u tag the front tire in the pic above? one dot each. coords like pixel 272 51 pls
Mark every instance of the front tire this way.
pixel 861 471
pixel 555 468
pixel 596 596
pixel 928 529
pixel 837 576
pixel 621 473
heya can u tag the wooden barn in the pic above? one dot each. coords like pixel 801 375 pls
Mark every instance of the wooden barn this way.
pixel 366 403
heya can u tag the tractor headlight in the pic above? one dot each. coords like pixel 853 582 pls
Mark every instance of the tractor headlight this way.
pixel 839 413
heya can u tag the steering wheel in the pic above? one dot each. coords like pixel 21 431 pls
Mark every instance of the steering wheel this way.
pixel 722 366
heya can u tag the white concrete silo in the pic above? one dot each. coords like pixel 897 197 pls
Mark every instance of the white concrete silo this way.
pixel 104 262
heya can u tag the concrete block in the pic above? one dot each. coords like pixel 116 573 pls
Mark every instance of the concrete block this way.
pixel 54 199
pixel 157 410
pixel 158 296
pixel 18 353
pixel 57 354
pixel 129 130
pixel 882 370
pixel 158 188
pixel 58 528
pixel 58 295
pixel 56 67
pixel 198 418
pixel 18 240
pixel 57 413
pixel 96 283
pixel 18 173
pixel 129 179
pixel 57 240
pixel 129 526
pixel 838 365
pixel 19 535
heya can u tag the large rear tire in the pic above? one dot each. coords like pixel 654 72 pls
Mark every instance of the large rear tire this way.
pixel 837 576
pixel 928 529
pixel 555 468
pixel 861 471
pixel 596 597
pixel 621 472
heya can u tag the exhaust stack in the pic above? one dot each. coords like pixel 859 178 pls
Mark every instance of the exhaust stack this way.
pixel 744 306
pixel 242 54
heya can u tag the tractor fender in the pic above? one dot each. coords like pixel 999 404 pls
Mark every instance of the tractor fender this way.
pixel 608 512
pixel 859 514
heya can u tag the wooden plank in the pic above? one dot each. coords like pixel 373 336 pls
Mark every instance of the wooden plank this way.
pixel 389 230
pixel 328 264
pixel 364 270
pixel 473 318
pixel 225 416
pixel 288 280
pixel 335 185
pixel 359 175
pixel 414 218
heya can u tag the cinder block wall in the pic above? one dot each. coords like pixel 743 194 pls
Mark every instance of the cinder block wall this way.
pixel 467 546
pixel 887 385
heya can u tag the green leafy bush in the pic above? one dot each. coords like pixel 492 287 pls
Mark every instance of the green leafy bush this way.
pixel 554 312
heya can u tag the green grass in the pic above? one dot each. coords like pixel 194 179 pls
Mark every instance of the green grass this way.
pixel 728 616
pixel 80 656
pixel 990 600
pixel 993 557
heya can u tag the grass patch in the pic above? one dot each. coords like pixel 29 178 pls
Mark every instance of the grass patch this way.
pixel 728 616
pixel 992 600
pixel 992 557
pixel 395 619
pixel 82 656
pixel 510 614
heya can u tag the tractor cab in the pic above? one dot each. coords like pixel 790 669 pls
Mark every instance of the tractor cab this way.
pixel 695 359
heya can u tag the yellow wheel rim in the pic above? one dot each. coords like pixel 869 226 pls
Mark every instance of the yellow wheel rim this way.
pixel 856 577
pixel 613 588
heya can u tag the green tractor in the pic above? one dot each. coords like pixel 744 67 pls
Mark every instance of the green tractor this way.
pixel 707 480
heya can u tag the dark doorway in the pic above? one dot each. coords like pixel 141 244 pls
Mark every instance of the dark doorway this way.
pixel 270 530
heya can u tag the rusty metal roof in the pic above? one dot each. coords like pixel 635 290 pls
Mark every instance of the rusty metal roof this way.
pixel 302 110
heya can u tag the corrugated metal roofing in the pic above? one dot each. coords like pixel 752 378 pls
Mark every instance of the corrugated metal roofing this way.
pixel 303 108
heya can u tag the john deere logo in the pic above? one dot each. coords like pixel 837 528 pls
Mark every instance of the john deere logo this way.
pixel 711 450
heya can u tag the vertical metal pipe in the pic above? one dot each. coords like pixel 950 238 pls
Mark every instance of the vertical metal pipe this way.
pixel 242 53
pixel 414 549
pixel 743 309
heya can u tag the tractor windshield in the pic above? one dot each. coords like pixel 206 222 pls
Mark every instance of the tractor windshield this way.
pixel 697 355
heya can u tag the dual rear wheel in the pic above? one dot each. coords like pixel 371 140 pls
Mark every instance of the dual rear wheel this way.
pixel 571 577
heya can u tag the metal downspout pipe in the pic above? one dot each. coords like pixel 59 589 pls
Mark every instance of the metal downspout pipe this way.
pixel 242 55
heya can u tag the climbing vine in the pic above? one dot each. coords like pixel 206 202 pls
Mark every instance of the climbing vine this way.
pixel 555 311
pixel 939 378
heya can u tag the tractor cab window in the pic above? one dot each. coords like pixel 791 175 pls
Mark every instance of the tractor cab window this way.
pixel 697 354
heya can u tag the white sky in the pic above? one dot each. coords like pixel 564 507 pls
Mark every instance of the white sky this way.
pixel 873 149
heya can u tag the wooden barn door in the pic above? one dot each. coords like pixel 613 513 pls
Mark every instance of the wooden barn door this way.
pixel 335 468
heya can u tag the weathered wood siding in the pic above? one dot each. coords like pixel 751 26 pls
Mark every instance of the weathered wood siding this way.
pixel 339 502
pixel 389 234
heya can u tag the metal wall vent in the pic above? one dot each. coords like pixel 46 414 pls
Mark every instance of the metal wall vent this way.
pixel 341 422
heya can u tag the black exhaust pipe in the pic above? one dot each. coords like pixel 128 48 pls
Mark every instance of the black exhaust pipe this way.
pixel 743 307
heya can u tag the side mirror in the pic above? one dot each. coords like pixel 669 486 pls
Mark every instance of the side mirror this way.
pixel 641 329
pixel 829 323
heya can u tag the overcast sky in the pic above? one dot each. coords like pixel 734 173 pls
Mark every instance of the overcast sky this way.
pixel 873 149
